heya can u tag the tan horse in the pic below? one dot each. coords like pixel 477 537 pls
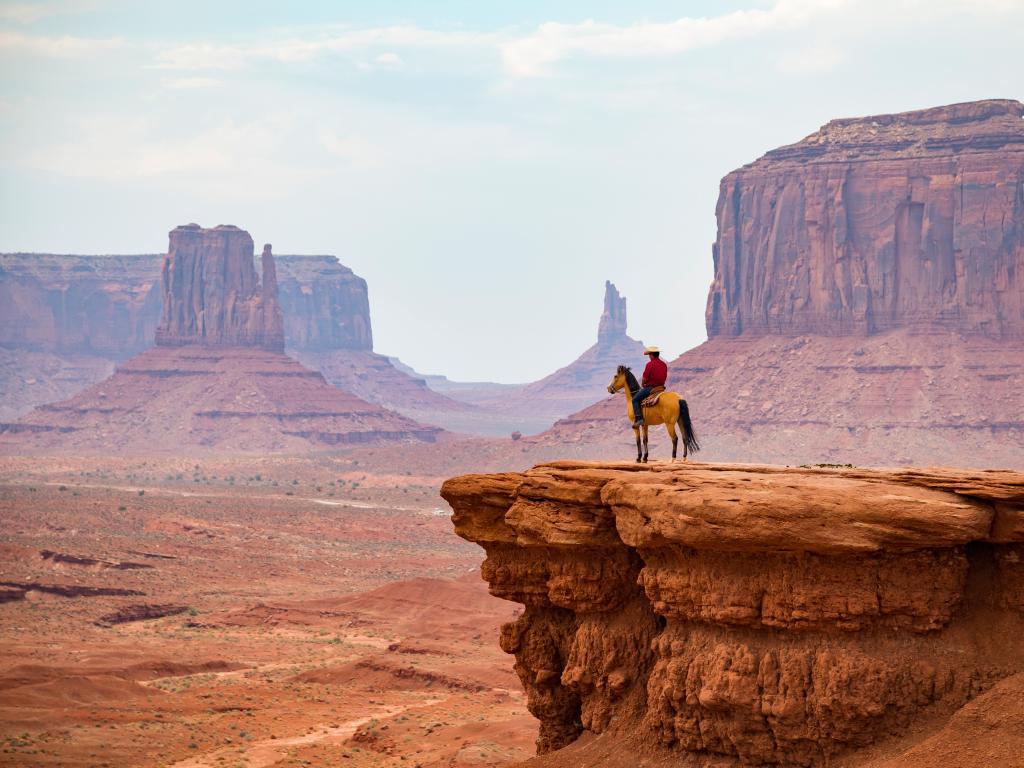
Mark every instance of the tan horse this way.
pixel 670 410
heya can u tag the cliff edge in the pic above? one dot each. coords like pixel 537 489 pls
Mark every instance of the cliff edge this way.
pixel 909 220
pixel 749 614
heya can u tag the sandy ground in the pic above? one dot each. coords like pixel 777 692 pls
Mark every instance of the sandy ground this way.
pixel 320 611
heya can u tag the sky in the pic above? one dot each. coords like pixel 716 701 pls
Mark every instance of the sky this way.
pixel 485 166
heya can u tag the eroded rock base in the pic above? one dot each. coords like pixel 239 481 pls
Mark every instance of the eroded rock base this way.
pixel 764 615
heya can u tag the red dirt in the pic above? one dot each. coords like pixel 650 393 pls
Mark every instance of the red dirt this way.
pixel 301 606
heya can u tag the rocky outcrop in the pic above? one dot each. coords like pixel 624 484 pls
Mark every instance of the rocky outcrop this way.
pixel 326 305
pixel 912 220
pixel 868 301
pixel 530 408
pixel 891 398
pixel 218 377
pixel 612 326
pixel 212 295
pixel 111 305
pixel 750 614
pixel 107 306
pixel 65 321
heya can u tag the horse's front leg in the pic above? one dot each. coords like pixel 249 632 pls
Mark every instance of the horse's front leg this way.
pixel 636 431
pixel 645 442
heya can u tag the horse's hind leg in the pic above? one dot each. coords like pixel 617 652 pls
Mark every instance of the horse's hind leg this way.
pixel 636 431
pixel 670 427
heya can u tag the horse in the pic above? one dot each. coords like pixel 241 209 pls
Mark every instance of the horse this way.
pixel 671 408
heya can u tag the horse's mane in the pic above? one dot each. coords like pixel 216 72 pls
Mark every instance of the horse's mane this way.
pixel 631 381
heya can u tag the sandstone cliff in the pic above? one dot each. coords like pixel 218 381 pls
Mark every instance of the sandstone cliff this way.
pixel 65 321
pixel 212 295
pixel 218 378
pixel 749 615
pixel 912 220
pixel 111 305
pixel 88 305
pixel 868 301
pixel 326 305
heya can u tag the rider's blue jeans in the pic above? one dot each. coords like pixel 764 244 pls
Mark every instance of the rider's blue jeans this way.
pixel 638 398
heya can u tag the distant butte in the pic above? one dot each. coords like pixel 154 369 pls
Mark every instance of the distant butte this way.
pixel 867 303
pixel 66 321
pixel 913 220
pixel 212 295
pixel 218 377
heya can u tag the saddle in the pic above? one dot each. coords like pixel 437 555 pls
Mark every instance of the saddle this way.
pixel 652 399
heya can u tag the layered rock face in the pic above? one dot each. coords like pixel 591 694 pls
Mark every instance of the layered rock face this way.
pixel 111 305
pixel 212 295
pixel 868 301
pixel 326 305
pixel 912 220
pixel 104 305
pixel 750 614
pixel 197 397
pixel 65 321
pixel 218 377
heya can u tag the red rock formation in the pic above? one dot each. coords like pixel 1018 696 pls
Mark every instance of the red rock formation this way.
pixel 327 306
pixel 532 407
pixel 111 305
pixel 85 305
pixel 212 295
pixel 218 379
pixel 891 398
pixel 612 326
pixel 913 220
pixel 868 301
pixel 202 398
pixel 68 319
pixel 762 615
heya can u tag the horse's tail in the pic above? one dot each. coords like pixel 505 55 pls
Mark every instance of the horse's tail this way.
pixel 689 438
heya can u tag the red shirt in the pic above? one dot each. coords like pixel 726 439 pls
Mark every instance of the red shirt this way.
pixel 655 373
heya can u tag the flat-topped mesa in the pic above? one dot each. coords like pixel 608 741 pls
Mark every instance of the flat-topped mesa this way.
pixel 763 614
pixel 911 220
pixel 612 326
pixel 82 305
pixel 328 305
pixel 212 294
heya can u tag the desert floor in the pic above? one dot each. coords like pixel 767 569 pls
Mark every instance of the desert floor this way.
pixel 319 611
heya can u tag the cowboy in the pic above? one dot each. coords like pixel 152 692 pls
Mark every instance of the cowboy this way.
pixel 655 375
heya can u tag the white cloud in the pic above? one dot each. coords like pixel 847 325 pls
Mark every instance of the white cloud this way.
pixel 23 13
pixel 291 50
pixel 63 47
pixel 389 60
pixel 192 83
pixel 230 159
pixel 552 42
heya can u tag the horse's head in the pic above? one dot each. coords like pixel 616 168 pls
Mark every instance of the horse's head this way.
pixel 619 380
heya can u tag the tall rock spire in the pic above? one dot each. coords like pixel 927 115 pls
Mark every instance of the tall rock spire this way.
pixel 613 319
pixel 212 295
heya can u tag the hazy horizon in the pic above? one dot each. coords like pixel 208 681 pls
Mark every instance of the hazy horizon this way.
pixel 484 169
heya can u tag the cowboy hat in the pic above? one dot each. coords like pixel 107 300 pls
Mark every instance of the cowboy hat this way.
pixel 652 349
